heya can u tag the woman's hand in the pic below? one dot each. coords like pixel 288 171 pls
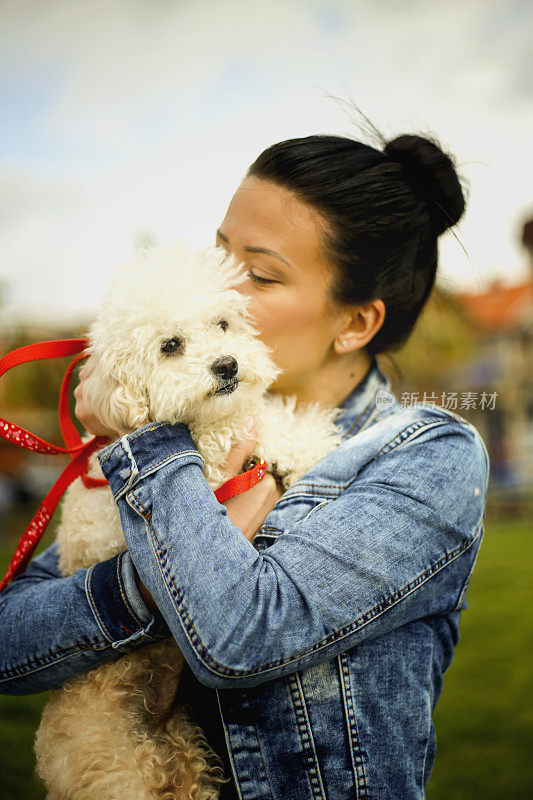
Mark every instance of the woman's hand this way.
pixel 248 510
pixel 83 410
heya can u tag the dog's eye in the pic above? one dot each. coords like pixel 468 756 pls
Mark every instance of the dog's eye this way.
pixel 171 346
pixel 223 324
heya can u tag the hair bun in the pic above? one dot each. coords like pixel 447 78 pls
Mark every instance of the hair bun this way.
pixel 432 177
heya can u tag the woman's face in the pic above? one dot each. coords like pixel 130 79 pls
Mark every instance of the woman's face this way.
pixel 278 238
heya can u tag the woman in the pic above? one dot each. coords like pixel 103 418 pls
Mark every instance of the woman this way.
pixel 315 655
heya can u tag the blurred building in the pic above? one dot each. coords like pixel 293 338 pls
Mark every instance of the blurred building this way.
pixel 503 368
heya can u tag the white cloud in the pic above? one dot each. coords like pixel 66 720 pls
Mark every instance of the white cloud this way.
pixel 147 115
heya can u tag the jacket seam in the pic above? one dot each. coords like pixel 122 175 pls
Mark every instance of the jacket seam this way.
pixel 222 671
pixel 229 748
pixel 351 725
pixel 54 657
pixel 172 457
pixel 355 427
pixel 269 528
pixel 267 776
pixel 158 464
pixel 368 419
pixel 421 783
pixel 175 593
pixel 318 506
pixel 402 436
pixel 130 436
pixel 309 495
pixel 466 584
pixel 92 604
pixel 305 733
pixel 125 600
pixel 336 489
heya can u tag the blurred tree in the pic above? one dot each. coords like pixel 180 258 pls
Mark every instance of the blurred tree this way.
pixel 4 289
pixel 442 338
pixel 36 383
pixel 30 392
pixel 144 238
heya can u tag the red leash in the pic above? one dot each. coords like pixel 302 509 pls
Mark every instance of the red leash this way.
pixel 78 450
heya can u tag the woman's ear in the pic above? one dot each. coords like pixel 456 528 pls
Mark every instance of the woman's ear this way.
pixel 362 325
pixel 118 395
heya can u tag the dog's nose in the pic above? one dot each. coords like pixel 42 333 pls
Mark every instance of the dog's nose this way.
pixel 225 367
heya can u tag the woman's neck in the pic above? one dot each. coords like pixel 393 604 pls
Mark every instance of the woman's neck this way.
pixel 332 383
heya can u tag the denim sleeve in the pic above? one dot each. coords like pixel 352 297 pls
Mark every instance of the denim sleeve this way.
pixel 398 544
pixel 54 628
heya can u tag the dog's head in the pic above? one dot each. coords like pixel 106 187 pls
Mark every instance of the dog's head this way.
pixel 174 341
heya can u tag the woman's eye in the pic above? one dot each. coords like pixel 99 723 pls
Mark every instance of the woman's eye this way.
pixel 172 346
pixel 223 324
pixel 258 279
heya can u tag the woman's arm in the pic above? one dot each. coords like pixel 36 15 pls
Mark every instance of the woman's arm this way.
pixel 54 628
pixel 398 544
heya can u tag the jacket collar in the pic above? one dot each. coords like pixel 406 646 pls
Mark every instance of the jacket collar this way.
pixel 360 405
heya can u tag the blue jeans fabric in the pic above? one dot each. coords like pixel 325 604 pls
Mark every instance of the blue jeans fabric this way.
pixel 326 640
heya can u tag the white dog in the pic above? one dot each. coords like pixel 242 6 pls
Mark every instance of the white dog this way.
pixel 174 342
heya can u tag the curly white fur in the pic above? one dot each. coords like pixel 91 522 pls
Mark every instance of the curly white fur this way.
pixel 114 732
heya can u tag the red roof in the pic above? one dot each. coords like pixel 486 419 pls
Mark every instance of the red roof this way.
pixel 501 308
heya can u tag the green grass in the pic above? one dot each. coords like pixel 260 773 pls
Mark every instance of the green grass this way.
pixel 483 721
pixel 484 717
pixel 19 716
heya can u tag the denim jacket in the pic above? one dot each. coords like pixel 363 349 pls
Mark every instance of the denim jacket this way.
pixel 325 641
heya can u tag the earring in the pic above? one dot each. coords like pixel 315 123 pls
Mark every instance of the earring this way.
pixel 345 343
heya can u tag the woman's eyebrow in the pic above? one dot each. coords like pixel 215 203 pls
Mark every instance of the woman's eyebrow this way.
pixel 267 252
pixel 250 249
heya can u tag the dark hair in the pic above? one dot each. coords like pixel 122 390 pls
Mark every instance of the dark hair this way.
pixel 384 210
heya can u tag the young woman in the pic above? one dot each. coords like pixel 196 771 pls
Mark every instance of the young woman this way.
pixel 315 642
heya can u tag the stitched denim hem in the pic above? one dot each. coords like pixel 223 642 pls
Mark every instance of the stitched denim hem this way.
pixel 134 456
pixel 129 590
pixel 115 612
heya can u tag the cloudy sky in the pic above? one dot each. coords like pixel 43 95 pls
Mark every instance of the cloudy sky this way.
pixel 125 121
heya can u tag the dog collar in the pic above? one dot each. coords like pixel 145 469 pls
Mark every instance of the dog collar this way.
pixel 242 482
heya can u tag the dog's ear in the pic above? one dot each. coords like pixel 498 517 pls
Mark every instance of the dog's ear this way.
pixel 118 395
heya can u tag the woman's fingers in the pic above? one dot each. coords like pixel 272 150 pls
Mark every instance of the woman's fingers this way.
pixel 239 454
pixel 87 367
pixel 248 510
pixel 83 410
